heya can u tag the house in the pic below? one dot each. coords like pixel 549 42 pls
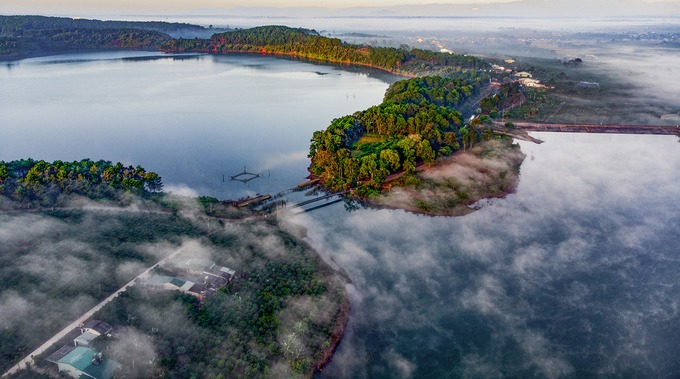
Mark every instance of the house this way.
pixel 84 363
pixel 216 277
pixel 177 284
pixel 588 85
pixel 523 74
pixel 194 265
pixel 96 327
pixel 85 339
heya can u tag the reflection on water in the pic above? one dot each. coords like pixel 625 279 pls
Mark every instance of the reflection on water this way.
pixel 575 275
pixel 193 118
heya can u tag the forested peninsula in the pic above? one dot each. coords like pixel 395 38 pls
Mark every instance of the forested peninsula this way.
pixel 308 43
pixel 414 151
pixel 83 229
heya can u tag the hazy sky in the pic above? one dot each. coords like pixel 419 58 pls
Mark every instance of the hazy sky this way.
pixel 76 7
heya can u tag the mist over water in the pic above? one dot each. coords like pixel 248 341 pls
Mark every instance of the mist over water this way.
pixel 574 275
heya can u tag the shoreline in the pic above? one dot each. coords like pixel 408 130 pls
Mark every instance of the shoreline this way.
pixel 462 160
pixel 336 337
pixel 296 56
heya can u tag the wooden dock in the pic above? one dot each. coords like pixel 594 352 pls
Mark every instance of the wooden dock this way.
pixel 245 202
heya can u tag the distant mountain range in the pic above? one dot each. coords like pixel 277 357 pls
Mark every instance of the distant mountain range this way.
pixel 521 8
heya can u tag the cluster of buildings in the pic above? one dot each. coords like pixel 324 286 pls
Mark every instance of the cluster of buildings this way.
pixel 527 80
pixel 200 277
pixel 81 361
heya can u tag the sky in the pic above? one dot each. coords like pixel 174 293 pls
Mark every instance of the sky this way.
pixel 68 7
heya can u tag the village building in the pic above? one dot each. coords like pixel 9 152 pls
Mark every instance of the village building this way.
pixel 85 339
pixel 84 363
pixel 206 278
pixel 523 74
pixel 588 85
pixel 194 266
pixel 96 327
pixel 531 83
pixel 171 283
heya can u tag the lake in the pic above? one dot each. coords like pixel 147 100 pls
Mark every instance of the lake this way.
pixel 577 274
pixel 191 118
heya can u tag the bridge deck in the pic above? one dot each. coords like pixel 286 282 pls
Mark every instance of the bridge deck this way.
pixel 585 128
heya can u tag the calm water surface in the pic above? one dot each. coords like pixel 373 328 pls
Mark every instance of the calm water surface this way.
pixel 190 118
pixel 575 275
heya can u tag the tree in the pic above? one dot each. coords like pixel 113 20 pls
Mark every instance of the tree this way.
pixel 153 182
pixel 406 145
pixel 425 152
pixel 3 173
pixel 392 158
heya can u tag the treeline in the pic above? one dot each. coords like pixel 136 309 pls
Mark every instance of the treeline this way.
pixel 17 26
pixel 66 39
pixel 448 92
pixel 408 128
pixel 308 43
pixel 39 183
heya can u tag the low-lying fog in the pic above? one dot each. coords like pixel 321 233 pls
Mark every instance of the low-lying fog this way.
pixel 574 275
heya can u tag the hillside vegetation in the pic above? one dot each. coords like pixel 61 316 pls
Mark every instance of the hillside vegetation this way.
pixel 308 43
pixel 415 124
pixel 74 232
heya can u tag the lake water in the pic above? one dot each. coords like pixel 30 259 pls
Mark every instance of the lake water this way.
pixel 575 275
pixel 190 118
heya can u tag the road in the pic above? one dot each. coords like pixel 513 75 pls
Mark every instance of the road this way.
pixel 75 324
pixel 583 128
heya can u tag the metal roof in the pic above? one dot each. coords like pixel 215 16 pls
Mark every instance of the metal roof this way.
pixel 159 280
pixel 81 359
pixel 195 264
pixel 57 355
pixel 85 339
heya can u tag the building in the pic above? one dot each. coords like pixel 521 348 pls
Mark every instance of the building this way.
pixel 85 339
pixel 207 281
pixel 194 266
pixel 532 83
pixel 523 74
pixel 84 363
pixel 588 85
pixel 671 116
pixel 96 327
pixel 177 284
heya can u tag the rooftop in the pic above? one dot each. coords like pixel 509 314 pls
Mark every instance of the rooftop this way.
pixel 194 264
pixel 57 355
pixel 81 359
pixel 84 339
pixel 159 280
pixel 98 326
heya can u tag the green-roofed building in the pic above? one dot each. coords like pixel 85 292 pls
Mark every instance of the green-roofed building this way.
pixel 85 363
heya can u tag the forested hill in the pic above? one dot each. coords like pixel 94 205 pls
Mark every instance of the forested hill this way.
pixel 27 35
pixel 74 39
pixel 308 43
pixel 416 123
pixel 16 26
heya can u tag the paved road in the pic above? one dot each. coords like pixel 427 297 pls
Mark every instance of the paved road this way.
pixel 75 324
pixel 588 128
